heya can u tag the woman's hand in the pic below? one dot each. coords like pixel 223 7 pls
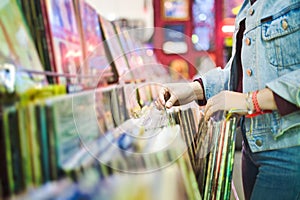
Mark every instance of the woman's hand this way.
pixel 225 100
pixel 175 94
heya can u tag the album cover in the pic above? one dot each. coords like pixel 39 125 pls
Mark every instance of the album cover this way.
pixel 72 130
pixel 64 139
pixel 122 103
pixel 42 138
pixel 139 56
pixel 65 39
pixel 95 60
pixel 6 172
pixel 27 13
pixel 226 159
pixel 15 140
pixel 34 14
pixel 85 118
pixel 34 148
pixel 218 158
pixel 123 36
pixel 53 157
pixel 214 132
pixel 224 152
pixel 127 47
pixel 110 120
pixel 116 108
pixel 24 146
pixel 99 111
pixel 106 107
pixel 16 42
pixel 116 55
pixel 230 162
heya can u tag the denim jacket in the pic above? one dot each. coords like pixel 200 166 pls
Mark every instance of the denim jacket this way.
pixel 270 58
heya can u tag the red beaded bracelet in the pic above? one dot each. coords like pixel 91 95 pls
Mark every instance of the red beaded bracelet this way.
pixel 255 102
pixel 258 110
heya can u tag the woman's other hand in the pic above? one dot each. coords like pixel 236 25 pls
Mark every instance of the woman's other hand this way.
pixel 225 100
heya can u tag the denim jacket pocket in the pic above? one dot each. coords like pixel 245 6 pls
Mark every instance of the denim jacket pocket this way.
pixel 281 36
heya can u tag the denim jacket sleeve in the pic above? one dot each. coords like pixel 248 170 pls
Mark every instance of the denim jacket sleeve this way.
pixel 288 87
pixel 216 80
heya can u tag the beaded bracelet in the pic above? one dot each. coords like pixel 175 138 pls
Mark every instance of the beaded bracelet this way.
pixel 258 110
pixel 255 102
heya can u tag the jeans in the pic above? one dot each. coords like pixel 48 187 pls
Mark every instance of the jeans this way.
pixel 271 174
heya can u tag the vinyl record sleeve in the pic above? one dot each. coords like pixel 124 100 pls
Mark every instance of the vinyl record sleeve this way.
pixel 33 12
pixel 117 57
pixel 6 172
pixel 53 158
pixel 223 160
pixel 65 40
pixel 13 126
pixel 107 109
pixel 99 111
pixel 25 148
pixel 230 162
pixel 218 159
pixel 42 139
pixel 64 138
pixel 95 60
pixel 85 118
pixel 47 39
pixel 74 127
pixel 34 148
pixel 16 42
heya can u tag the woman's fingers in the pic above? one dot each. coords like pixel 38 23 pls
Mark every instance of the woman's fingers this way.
pixel 171 101
pixel 213 105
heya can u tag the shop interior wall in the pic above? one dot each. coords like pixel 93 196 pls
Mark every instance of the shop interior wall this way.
pixel 141 10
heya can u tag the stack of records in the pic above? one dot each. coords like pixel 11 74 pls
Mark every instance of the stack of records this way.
pixel 215 156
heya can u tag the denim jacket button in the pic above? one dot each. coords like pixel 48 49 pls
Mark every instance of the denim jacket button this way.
pixel 249 72
pixel 251 11
pixel 258 143
pixel 284 24
pixel 248 41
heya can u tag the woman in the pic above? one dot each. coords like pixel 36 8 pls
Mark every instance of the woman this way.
pixel 262 79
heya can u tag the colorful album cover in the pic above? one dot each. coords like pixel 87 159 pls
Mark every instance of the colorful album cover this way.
pixel 224 153
pixel 74 127
pixel 64 137
pixel 13 125
pixel 133 53
pixel 95 60
pixel 230 159
pixel 53 158
pixel 85 118
pixel 118 105
pixel 34 147
pixel 124 42
pixel 42 140
pixel 65 40
pixel 16 42
pixel 33 13
pixel 107 109
pixel 25 146
pixel 99 111
pixel 6 172
pixel 116 53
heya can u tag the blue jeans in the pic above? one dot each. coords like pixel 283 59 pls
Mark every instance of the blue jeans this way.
pixel 271 174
